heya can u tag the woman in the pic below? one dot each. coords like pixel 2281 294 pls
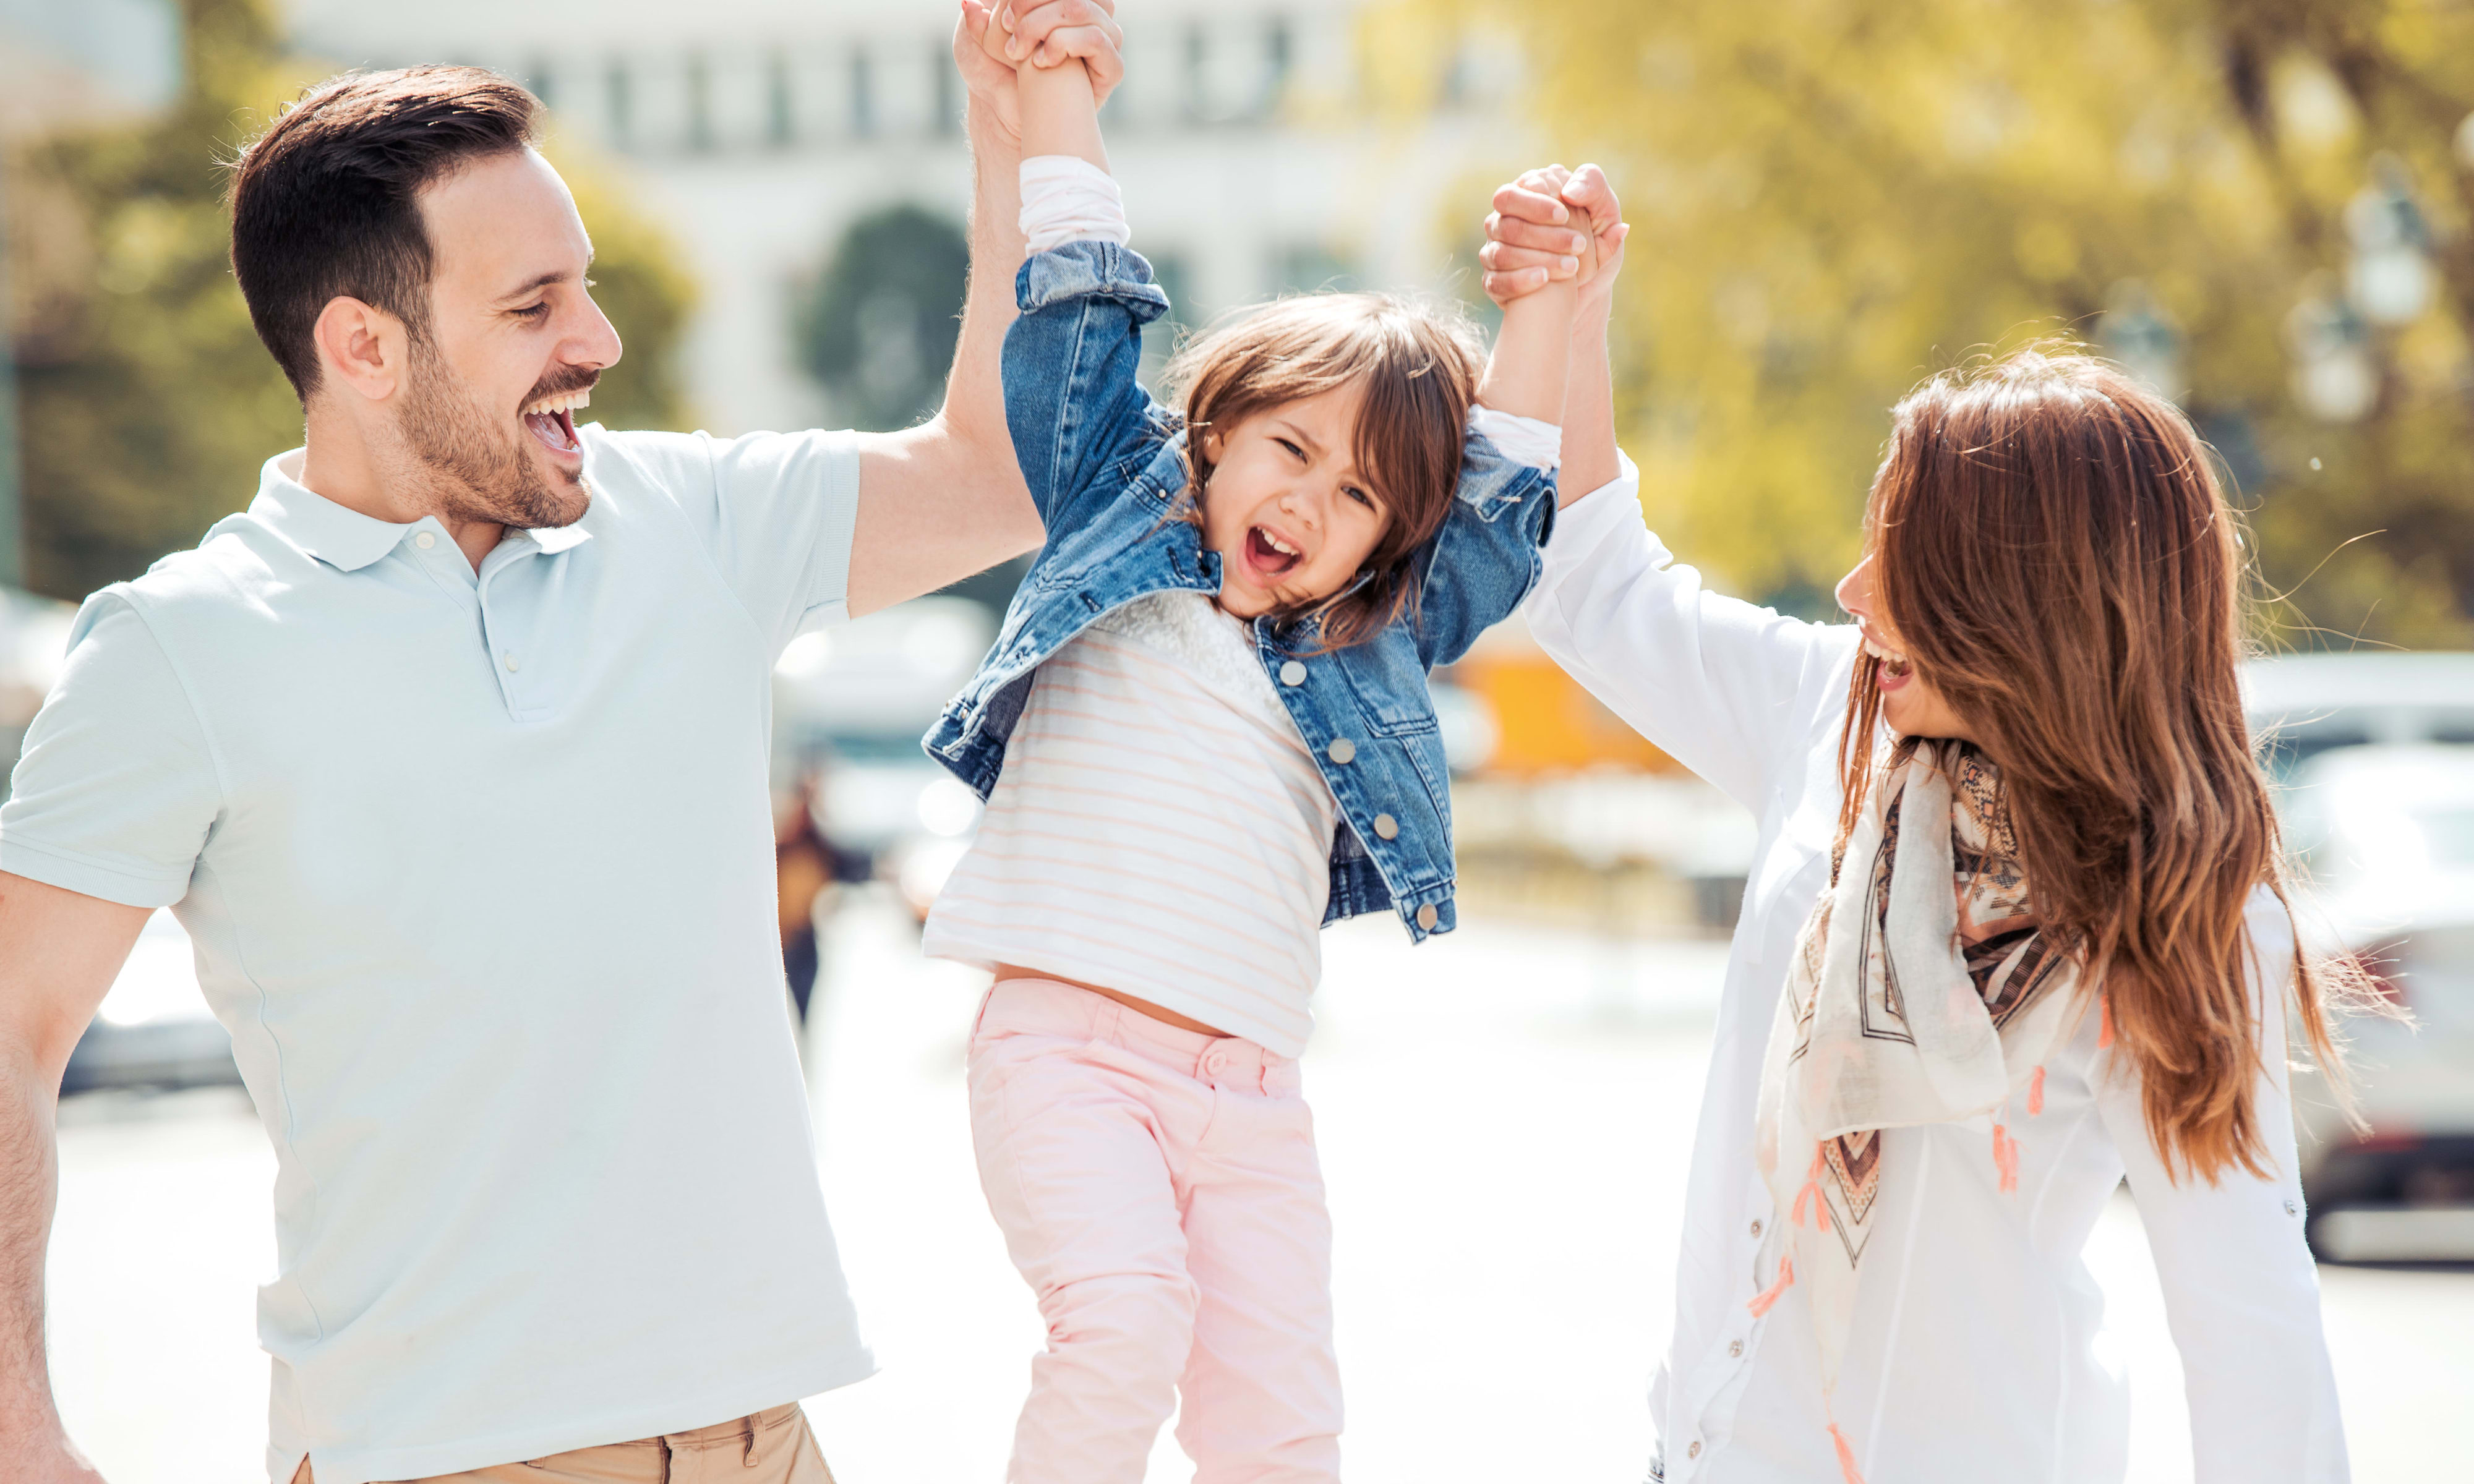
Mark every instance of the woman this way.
pixel 2014 930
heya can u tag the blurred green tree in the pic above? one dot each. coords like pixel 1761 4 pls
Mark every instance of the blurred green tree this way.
pixel 2261 205
pixel 147 403
pixel 876 328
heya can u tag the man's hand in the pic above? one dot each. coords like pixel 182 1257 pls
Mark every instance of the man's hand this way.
pixel 1551 225
pixel 987 48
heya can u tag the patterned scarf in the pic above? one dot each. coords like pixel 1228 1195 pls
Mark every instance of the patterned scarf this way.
pixel 1902 1010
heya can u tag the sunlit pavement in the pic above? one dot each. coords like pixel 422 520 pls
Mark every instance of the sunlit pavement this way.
pixel 1504 1117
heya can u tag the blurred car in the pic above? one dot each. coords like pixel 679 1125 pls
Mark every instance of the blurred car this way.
pixel 2385 837
pixel 851 703
pixel 154 1029
pixel 2305 704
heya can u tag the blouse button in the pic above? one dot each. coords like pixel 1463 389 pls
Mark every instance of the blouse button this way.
pixel 1293 673
pixel 1694 1451
pixel 1736 1351
pixel 1341 751
pixel 1386 827
pixel 2289 1209
pixel 1756 1229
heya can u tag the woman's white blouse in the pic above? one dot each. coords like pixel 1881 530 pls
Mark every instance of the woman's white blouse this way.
pixel 1973 1354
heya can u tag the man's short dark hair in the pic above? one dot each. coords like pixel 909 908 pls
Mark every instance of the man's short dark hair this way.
pixel 325 202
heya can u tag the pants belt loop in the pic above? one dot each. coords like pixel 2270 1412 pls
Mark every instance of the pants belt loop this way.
pixel 666 1456
pixel 747 1459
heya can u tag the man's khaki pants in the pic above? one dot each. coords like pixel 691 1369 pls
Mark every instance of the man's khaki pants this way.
pixel 773 1447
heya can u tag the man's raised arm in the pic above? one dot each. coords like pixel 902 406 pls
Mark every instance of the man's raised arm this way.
pixel 943 500
pixel 58 953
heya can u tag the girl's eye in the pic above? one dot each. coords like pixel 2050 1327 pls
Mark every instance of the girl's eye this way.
pixel 1294 451
pixel 1359 495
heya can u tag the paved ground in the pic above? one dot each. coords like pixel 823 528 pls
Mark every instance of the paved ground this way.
pixel 1503 1118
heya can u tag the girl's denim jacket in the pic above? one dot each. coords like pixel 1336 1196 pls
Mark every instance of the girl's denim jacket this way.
pixel 1104 464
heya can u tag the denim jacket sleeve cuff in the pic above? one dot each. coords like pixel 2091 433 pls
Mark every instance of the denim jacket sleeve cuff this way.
pixel 1089 270
pixel 1493 482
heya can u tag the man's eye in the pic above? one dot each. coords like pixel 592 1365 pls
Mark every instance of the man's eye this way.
pixel 540 311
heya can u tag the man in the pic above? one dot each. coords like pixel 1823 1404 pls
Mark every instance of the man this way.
pixel 450 756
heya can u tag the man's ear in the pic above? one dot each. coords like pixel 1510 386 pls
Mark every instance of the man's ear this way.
pixel 361 347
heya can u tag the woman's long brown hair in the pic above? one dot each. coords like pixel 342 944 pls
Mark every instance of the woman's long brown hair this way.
pixel 2058 561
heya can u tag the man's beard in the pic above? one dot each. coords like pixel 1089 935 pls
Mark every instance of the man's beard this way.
pixel 479 470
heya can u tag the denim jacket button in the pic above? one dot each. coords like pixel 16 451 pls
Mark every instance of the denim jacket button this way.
pixel 1341 751
pixel 1386 827
pixel 1427 917
pixel 1293 673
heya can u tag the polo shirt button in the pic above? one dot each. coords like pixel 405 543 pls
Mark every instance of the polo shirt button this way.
pixel 424 541
pixel 1427 917
pixel 1386 827
pixel 1293 673
pixel 512 666
pixel 1342 750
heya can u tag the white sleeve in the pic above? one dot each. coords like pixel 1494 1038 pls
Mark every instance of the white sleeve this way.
pixel 117 788
pixel 777 511
pixel 1066 197
pixel 1730 691
pixel 2242 1293
pixel 1531 441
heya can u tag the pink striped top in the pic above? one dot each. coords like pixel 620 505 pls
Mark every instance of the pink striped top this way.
pixel 1158 829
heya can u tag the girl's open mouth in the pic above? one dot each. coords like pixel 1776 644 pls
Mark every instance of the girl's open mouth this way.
pixel 1269 556
pixel 553 420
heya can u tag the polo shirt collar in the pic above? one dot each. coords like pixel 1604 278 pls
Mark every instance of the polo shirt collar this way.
pixel 347 539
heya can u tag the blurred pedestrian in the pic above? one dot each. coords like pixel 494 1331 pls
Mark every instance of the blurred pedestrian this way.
pixel 449 756
pixel 1203 749
pixel 2017 928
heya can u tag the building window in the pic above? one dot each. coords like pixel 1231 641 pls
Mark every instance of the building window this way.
pixel 1279 60
pixel 1198 73
pixel 699 84
pixel 949 104
pixel 621 91
pixel 862 95
pixel 781 121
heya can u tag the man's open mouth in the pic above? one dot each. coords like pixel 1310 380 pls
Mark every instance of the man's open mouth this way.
pixel 1269 554
pixel 552 419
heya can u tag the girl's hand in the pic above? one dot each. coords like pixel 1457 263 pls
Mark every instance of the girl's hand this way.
pixel 1054 29
pixel 1552 225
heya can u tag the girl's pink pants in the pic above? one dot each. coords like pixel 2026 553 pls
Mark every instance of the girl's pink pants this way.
pixel 1159 1191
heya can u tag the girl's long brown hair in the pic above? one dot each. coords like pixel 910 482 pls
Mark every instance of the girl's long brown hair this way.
pixel 2058 561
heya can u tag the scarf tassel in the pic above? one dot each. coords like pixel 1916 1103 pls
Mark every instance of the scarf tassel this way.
pixel 1846 1457
pixel 2005 1159
pixel 2036 1093
pixel 1763 1301
pixel 2103 1021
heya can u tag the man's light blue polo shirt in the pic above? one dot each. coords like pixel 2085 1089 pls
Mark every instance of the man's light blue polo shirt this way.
pixel 480 871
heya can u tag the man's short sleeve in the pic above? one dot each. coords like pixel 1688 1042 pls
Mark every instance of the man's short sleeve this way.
pixel 776 510
pixel 116 788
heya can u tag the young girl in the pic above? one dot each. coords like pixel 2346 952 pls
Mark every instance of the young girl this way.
pixel 2015 929
pixel 1204 733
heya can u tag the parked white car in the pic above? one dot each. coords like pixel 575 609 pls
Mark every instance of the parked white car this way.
pixel 2386 836
pixel 154 1029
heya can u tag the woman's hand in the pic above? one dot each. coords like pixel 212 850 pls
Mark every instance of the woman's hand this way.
pixel 1553 224
pixel 1051 31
